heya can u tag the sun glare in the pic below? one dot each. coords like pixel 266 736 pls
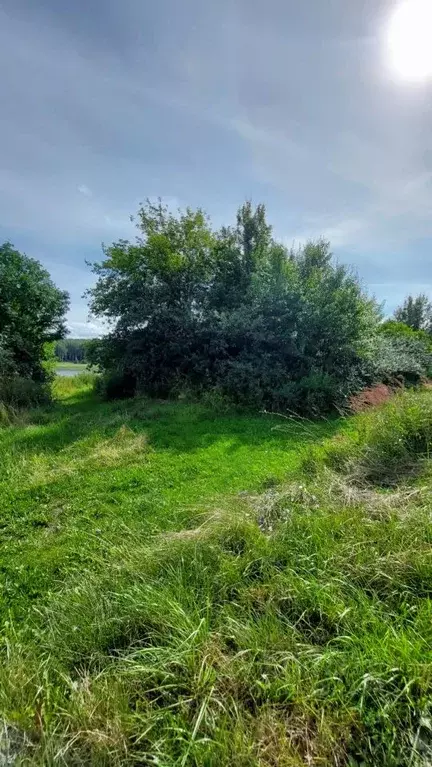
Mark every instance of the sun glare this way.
pixel 410 39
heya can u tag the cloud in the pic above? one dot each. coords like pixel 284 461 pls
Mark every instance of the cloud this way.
pixel 85 330
pixel 289 103
pixel 84 190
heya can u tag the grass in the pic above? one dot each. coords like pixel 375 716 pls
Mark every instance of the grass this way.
pixel 86 466
pixel 176 593
pixel 384 445
pixel 71 365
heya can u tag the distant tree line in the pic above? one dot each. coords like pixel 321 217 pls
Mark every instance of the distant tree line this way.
pixel 71 349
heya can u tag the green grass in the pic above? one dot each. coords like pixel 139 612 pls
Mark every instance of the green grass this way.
pixel 176 593
pixel 71 365
pixel 151 467
pixel 383 446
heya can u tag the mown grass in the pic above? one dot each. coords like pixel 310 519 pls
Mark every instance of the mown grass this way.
pixel 158 614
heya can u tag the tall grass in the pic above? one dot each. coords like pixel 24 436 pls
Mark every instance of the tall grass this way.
pixel 64 386
pixel 385 445
pixel 225 645
pixel 285 626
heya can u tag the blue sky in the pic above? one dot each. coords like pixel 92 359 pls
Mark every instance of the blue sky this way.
pixel 106 102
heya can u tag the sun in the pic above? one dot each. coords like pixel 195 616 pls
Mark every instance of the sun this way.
pixel 410 39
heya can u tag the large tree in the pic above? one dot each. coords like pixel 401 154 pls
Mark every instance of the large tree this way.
pixel 232 310
pixel 32 313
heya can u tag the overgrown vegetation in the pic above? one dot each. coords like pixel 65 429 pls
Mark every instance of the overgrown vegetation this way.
pixel 402 353
pixel 385 445
pixel 177 593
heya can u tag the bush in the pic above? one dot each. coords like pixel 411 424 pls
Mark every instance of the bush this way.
pixel 400 358
pixel 401 352
pixel 111 386
pixel 232 310
pixel 316 393
pixel 18 392
pixel 385 444
pixel 398 329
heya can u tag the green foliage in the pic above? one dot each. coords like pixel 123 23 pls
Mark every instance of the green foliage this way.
pixel 19 392
pixel 400 358
pixel 64 386
pixel 111 385
pixel 232 311
pixel 72 349
pixel 154 616
pixel 416 312
pixel 31 315
pixel 385 444
pixel 49 360
pixel 400 352
pixel 396 329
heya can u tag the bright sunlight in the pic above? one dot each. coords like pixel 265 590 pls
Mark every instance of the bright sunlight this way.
pixel 409 39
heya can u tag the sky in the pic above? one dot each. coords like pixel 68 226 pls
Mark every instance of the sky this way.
pixel 294 104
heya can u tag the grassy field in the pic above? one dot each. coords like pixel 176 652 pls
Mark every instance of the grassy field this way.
pixel 176 591
pixel 71 366
pixel 85 466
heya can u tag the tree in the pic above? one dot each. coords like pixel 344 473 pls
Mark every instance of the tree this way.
pixel 231 310
pixel 71 349
pixel 32 314
pixel 416 312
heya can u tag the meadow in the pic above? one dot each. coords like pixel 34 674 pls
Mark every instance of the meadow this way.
pixel 184 586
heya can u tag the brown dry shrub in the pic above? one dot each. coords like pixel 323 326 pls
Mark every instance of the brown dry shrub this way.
pixel 370 397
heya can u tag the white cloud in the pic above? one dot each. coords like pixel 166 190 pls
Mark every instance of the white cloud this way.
pixel 338 233
pixel 86 329
pixel 84 190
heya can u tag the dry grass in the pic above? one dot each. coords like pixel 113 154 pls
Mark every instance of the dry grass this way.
pixel 125 445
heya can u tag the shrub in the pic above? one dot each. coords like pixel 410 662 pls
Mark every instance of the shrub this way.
pixel 316 393
pixel 18 392
pixel 402 352
pixel 395 360
pixel 398 329
pixel 111 386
